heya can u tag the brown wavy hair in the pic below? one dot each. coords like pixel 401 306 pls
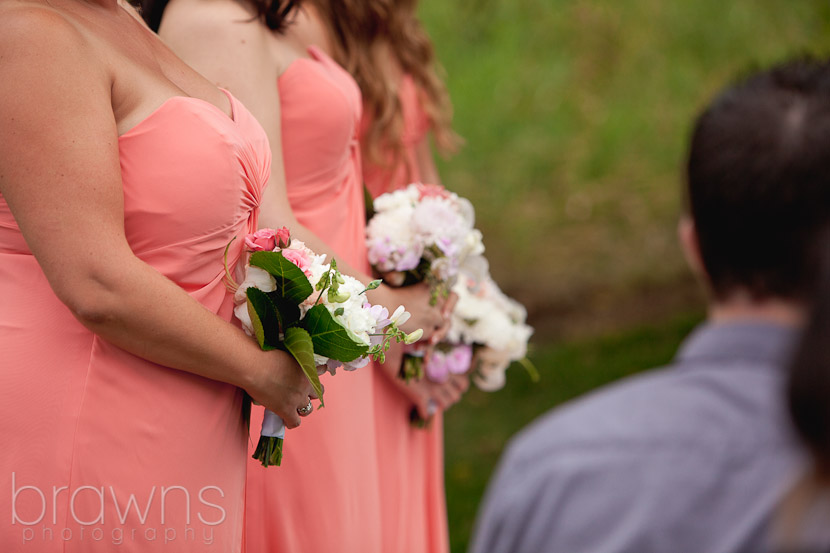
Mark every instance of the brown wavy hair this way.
pixel 365 33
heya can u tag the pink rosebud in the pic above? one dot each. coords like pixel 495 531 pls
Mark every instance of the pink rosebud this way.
pixel 431 191
pixel 299 258
pixel 283 237
pixel 262 240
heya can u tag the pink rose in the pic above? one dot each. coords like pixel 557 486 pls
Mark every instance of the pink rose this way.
pixel 267 239
pixel 262 240
pixel 299 258
pixel 431 191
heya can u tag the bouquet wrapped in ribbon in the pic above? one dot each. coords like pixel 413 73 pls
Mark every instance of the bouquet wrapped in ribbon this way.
pixel 423 233
pixel 291 299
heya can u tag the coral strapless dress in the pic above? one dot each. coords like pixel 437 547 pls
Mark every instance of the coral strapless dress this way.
pixel 414 509
pixel 102 449
pixel 324 498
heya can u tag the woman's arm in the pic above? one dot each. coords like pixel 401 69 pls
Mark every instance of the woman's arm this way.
pixel 60 175
pixel 219 40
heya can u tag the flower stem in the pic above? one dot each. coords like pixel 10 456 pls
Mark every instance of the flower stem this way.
pixel 269 451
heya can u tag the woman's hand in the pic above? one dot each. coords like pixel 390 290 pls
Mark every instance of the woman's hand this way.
pixel 446 321
pixel 416 300
pixel 424 395
pixel 447 394
pixel 429 397
pixel 281 386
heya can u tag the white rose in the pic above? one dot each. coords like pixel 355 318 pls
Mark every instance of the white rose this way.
pixel 256 278
pixel 241 312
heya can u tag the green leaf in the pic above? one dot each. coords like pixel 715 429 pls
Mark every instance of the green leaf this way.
pixel 264 319
pixel 329 337
pixel 292 284
pixel 288 311
pixel 299 344
pixel 368 202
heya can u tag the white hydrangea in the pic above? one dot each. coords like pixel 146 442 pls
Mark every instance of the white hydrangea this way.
pixel 423 221
pixel 484 315
pixel 392 201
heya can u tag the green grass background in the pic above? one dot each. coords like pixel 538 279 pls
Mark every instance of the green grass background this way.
pixel 576 115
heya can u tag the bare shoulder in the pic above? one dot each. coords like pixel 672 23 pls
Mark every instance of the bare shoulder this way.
pixel 216 24
pixel 221 40
pixel 35 23
pixel 43 39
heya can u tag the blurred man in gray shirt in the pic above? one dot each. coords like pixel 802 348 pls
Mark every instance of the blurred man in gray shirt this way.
pixel 696 457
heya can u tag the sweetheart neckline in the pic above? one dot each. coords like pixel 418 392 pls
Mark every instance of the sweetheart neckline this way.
pixel 232 118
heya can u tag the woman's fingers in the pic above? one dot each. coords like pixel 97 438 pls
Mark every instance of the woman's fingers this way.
pixel 449 305
pixel 461 382
pixel 291 420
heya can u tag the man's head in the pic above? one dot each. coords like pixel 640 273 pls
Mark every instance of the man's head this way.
pixel 758 180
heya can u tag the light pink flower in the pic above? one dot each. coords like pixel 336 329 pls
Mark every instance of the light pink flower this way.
pixel 436 368
pixel 300 258
pixel 459 359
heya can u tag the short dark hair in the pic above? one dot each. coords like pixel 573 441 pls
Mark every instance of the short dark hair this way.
pixel 758 180
pixel 809 385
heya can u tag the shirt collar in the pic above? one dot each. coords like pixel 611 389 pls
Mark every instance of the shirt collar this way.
pixel 764 342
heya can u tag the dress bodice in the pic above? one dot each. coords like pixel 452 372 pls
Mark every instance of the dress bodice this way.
pixel 320 107
pixel 192 179
pixel 170 210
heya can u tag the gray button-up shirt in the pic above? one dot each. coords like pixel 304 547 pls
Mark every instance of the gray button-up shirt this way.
pixel 693 458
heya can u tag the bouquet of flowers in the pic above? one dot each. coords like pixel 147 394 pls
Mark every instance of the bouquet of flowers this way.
pixel 487 330
pixel 291 299
pixel 423 233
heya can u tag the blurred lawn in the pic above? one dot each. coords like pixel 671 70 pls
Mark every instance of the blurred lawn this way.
pixel 477 429
pixel 576 114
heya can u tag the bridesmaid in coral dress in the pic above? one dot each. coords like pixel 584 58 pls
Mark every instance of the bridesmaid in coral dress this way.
pixel 124 176
pixel 325 496
pixel 385 49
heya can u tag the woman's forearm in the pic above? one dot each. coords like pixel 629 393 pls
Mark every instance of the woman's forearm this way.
pixel 131 305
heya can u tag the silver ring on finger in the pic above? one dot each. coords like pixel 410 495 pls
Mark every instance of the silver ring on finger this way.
pixel 305 411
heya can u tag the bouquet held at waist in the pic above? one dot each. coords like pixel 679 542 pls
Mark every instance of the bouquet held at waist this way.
pixel 291 299
pixel 425 233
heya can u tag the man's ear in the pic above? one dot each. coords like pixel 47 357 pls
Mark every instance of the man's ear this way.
pixel 687 234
